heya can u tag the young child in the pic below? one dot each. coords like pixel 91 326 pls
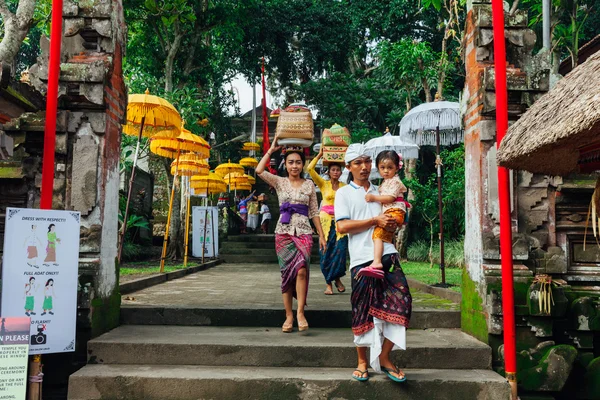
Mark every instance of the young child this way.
pixel 391 196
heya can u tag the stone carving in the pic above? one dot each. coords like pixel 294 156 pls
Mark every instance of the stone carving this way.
pixel 85 174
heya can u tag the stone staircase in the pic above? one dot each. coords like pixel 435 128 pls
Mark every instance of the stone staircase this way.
pixel 196 352
pixel 256 248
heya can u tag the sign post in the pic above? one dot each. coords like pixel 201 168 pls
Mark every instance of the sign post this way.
pixel 39 276
pixel 205 228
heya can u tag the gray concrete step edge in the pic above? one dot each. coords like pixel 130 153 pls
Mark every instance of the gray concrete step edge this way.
pixel 267 317
pixel 133 382
pixel 269 347
pixel 256 259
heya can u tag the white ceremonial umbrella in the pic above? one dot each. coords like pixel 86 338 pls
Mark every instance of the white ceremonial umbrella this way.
pixel 434 124
pixel 402 145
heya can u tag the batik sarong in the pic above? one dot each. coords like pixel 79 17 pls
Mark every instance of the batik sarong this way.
pixel 381 308
pixel 333 260
pixel 293 254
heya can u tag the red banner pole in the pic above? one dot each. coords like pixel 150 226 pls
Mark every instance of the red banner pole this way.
pixel 51 106
pixel 265 116
pixel 508 295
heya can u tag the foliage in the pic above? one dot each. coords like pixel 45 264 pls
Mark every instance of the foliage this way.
pixel 424 223
pixel 573 22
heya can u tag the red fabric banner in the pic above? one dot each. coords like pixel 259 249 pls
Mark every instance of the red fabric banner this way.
pixel 265 115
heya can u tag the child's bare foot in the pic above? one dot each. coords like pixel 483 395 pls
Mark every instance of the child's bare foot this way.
pixel 376 265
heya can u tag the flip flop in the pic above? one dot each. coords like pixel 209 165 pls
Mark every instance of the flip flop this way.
pixel 388 372
pixel 328 292
pixel 361 378
pixel 371 272
pixel 340 288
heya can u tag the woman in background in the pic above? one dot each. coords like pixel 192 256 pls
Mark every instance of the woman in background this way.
pixel 333 259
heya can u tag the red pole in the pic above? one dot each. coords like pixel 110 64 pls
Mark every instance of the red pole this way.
pixel 508 294
pixel 265 116
pixel 51 106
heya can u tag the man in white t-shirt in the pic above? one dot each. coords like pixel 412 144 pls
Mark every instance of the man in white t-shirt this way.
pixel 381 308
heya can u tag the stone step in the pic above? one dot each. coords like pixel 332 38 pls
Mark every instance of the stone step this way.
pixel 258 238
pixel 229 250
pixel 268 316
pixel 269 347
pixel 167 382
pixel 256 259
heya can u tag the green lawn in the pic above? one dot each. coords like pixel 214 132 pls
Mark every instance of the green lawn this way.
pixel 154 269
pixel 422 272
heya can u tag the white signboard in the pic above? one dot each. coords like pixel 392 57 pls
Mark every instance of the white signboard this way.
pixel 208 238
pixel 39 275
pixel 14 347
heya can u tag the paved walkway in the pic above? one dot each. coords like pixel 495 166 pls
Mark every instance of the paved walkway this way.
pixel 254 286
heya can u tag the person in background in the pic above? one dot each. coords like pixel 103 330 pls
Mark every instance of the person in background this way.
pixel 265 213
pixel 253 214
pixel 333 259
pixel 293 234
pixel 242 205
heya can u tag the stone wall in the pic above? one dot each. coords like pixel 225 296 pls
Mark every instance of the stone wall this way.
pixel 556 347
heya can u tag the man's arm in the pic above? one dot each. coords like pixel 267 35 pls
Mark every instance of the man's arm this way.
pixel 380 198
pixel 356 226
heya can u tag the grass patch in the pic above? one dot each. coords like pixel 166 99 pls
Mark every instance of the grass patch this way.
pixel 422 272
pixel 453 252
pixel 149 270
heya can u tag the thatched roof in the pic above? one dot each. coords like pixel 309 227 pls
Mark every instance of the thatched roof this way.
pixel 547 139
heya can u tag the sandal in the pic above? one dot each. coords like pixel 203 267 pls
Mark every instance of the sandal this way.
pixel 371 273
pixel 328 292
pixel 285 328
pixel 303 326
pixel 395 370
pixel 361 378
pixel 340 288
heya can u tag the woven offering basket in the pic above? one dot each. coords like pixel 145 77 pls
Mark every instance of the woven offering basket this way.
pixel 295 128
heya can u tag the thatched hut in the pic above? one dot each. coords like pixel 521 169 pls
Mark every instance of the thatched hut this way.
pixel 560 133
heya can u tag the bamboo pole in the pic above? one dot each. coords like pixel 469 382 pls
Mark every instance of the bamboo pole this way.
pixel 187 223
pixel 164 250
pixel 204 235
pixel 35 377
pixel 135 158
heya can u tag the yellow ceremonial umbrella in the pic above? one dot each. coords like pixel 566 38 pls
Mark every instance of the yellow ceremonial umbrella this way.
pixel 146 115
pixel 251 146
pixel 229 167
pixel 251 179
pixel 236 177
pixel 172 148
pixel 249 162
pixel 241 186
pixel 189 165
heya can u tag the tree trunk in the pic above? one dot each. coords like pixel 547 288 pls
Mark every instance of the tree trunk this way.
pixel 430 243
pixel 16 28
pixel 170 60
pixel 424 82
pixel 442 72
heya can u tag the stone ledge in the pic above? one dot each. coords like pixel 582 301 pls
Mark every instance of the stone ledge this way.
pixel 142 283
pixel 436 291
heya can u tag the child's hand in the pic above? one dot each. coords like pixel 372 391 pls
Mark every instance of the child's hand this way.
pixel 370 197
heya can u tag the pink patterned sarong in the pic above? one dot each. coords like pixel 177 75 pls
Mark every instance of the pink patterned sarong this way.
pixel 293 253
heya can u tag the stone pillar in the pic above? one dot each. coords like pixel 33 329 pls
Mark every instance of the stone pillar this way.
pixel 93 99
pixel 528 78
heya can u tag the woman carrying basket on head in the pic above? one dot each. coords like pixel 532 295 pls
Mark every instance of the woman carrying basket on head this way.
pixel 293 234
pixel 333 259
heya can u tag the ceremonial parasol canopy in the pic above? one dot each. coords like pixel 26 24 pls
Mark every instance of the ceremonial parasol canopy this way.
pixel 148 131
pixel 147 109
pixel 420 124
pixel 211 183
pixel 251 146
pixel 241 186
pixel 560 133
pixel 249 162
pixel 401 145
pixel 235 177
pixel 251 179
pixel 229 167
pixel 185 142
pixel 190 165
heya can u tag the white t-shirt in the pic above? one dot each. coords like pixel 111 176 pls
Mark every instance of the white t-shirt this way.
pixel 266 213
pixel 350 204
